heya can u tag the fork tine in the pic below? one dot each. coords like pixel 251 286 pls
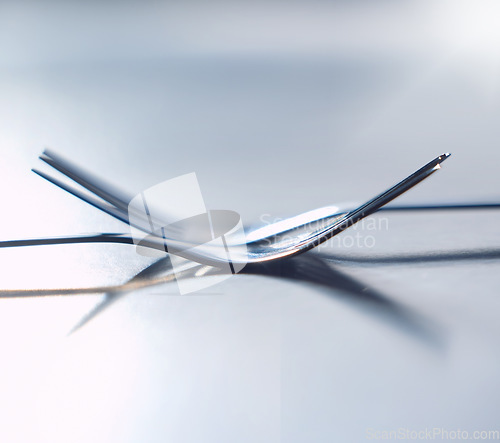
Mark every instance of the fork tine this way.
pixel 395 191
pixel 115 212
pixel 377 202
pixel 140 220
pixel 87 180
pixel 118 199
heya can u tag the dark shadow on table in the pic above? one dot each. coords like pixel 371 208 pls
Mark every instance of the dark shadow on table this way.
pixel 315 270
pixel 428 257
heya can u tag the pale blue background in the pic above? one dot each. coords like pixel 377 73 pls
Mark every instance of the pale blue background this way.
pixel 278 108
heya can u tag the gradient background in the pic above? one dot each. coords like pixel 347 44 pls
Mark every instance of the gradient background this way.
pixel 279 107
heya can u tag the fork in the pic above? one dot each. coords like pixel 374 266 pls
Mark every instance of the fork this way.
pixel 285 238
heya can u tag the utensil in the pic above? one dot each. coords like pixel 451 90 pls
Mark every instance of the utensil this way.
pixel 285 238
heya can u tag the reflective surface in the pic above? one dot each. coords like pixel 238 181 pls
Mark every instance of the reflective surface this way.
pixel 400 333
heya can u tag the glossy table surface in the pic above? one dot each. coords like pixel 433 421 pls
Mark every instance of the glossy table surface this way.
pixel 392 325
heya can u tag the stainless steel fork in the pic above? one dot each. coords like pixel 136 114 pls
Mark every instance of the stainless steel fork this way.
pixel 263 243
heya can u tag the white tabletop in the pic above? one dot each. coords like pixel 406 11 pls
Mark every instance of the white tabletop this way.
pixel 278 111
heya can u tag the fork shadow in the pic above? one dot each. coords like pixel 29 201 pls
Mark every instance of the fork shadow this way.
pixel 454 256
pixel 315 270
pixel 151 271
pixel 335 283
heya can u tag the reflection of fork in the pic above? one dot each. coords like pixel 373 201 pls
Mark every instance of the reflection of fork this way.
pixel 263 243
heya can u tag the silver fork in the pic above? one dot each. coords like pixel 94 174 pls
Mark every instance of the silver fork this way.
pixel 285 238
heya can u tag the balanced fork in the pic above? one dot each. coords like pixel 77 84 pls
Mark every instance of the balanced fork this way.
pixel 285 238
